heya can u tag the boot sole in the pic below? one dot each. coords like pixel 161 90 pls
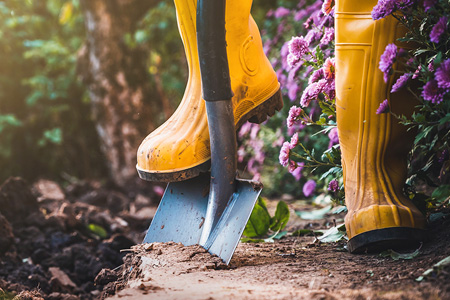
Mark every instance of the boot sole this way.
pixel 257 115
pixel 395 238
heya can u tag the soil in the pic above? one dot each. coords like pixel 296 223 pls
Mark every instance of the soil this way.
pixel 50 249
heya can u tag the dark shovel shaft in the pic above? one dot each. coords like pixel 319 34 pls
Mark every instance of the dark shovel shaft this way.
pixel 216 88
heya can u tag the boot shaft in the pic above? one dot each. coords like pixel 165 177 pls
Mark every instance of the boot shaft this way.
pixel 374 147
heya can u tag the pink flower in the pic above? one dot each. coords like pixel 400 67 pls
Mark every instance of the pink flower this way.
pixel 327 6
pixel 329 68
pixel 387 59
pixel 294 141
pixel 328 36
pixel 298 46
pixel 311 92
pixel 281 12
pixel 284 154
pixel 401 82
pixel 333 136
pixel 383 108
pixel 292 60
pixel 294 113
pixel 309 187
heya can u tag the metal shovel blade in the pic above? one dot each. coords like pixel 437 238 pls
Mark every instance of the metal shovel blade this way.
pixel 181 213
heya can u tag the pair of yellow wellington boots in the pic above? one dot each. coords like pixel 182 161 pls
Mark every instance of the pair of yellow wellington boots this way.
pixel 180 148
pixel 374 147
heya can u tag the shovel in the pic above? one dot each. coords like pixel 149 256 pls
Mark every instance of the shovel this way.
pixel 212 209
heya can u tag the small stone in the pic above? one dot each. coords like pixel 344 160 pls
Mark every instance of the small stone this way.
pixel 61 280
pixel 49 190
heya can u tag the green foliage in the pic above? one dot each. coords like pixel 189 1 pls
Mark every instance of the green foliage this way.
pixel 334 234
pixel 396 256
pixel 98 230
pixel 45 124
pixel 260 221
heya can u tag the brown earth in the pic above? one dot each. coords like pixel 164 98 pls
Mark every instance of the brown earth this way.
pixel 68 243
pixel 291 268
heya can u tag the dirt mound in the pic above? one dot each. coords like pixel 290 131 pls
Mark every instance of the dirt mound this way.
pixel 148 260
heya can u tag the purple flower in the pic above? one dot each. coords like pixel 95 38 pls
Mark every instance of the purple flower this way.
pixel 333 185
pixel 309 187
pixel 245 129
pixel 443 156
pixel 401 82
pixel 292 60
pixel 292 91
pixel 298 46
pixel 328 36
pixel 284 154
pixel 383 108
pixel 427 4
pixel 383 9
pixel 311 92
pixel 294 141
pixel 443 75
pixel 417 72
pixel 438 29
pixel 316 76
pixel 294 113
pixel 307 24
pixel 432 92
pixel 333 136
pixel 330 88
pixel 297 171
pixel 313 35
pixel 387 59
pixel 281 12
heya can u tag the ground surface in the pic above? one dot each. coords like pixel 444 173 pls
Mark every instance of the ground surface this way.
pixel 65 243
pixel 291 268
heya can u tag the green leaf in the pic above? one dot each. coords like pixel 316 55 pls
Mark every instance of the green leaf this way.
pixel 279 221
pixel 53 135
pixel 302 232
pixel 445 119
pixel 279 235
pixel 250 240
pixel 98 230
pixel 436 267
pixel 396 256
pixel 442 193
pixel 334 234
pixel 9 120
pixel 314 214
pixel 331 171
pixel 259 221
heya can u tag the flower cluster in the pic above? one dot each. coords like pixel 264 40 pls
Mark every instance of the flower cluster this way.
pixel 424 71
pixel 308 60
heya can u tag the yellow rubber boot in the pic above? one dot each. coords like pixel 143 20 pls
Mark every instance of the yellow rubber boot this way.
pixel 179 149
pixel 374 147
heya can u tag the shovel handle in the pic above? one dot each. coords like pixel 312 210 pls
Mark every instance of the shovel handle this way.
pixel 212 50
